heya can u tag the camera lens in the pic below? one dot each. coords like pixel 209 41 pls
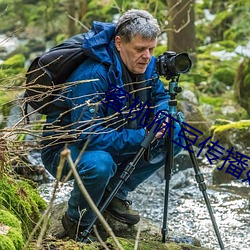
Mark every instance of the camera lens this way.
pixel 182 63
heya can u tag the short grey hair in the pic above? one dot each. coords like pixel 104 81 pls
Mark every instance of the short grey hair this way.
pixel 137 22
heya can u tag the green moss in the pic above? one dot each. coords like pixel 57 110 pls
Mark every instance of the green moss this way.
pixel 13 71
pixel 16 61
pixel 9 219
pixel 13 239
pixel 22 200
pixel 225 75
pixel 128 244
pixel 228 45
pixel 236 125
pixel 6 243
pixel 214 101
pixel 16 237
pixel 236 134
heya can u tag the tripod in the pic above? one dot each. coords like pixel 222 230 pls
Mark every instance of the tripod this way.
pixel 173 90
pixel 169 163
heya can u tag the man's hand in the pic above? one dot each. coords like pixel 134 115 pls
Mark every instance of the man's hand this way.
pixel 160 133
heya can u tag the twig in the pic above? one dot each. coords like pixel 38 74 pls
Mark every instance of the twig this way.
pixel 99 238
pixel 77 21
pixel 137 236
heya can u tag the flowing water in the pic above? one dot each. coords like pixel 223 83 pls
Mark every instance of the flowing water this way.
pixel 187 211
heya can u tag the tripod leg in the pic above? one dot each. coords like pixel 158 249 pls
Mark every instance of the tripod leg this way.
pixel 202 186
pixel 169 163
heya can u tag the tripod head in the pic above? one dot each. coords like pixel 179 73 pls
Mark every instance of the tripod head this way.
pixel 173 88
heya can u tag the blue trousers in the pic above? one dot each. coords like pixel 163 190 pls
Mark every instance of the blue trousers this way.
pixel 100 170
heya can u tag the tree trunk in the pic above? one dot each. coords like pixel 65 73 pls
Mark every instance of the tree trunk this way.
pixel 71 6
pixel 181 27
pixel 83 8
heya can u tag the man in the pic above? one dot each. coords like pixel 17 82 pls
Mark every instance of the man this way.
pixel 119 61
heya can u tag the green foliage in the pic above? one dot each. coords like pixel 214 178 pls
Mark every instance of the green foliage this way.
pixel 229 23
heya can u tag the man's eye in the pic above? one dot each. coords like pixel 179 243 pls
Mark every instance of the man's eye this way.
pixel 139 50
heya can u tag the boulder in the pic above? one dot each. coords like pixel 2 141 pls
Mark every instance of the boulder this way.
pixel 234 134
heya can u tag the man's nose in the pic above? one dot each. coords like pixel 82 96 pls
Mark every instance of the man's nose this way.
pixel 146 54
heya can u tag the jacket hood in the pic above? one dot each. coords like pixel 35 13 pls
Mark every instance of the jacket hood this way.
pixel 98 43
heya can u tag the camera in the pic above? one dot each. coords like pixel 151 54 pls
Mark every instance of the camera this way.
pixel 171 65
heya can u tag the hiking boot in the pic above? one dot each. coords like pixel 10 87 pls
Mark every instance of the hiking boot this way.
pixel 75 231
pixel 121 211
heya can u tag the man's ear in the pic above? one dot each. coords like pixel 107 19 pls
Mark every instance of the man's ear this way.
pixel 118 42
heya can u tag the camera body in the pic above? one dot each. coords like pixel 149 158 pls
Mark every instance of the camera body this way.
pixel 171 65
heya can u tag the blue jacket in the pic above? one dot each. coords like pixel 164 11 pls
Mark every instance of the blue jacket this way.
pixel 89 118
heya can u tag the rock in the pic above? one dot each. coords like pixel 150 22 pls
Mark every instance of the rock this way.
pixel 228 110
pixel 182 179
pixel 149 238
pixel 206 109
pixel 222 176
pixel 235 134
pixel 189 96
pixel 195 119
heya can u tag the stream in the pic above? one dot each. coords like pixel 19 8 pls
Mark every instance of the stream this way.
pixel 187 212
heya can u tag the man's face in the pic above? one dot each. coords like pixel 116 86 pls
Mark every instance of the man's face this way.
pixel 137 53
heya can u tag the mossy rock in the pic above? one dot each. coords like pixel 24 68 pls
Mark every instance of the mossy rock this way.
pixel 21 199
pixel 11 237
pixel 235 134
pixel 150 235
pixel 128 244
pixel 219 105
pixel 225 75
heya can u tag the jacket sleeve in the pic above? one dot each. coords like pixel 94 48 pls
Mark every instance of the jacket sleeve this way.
pixel 89 115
